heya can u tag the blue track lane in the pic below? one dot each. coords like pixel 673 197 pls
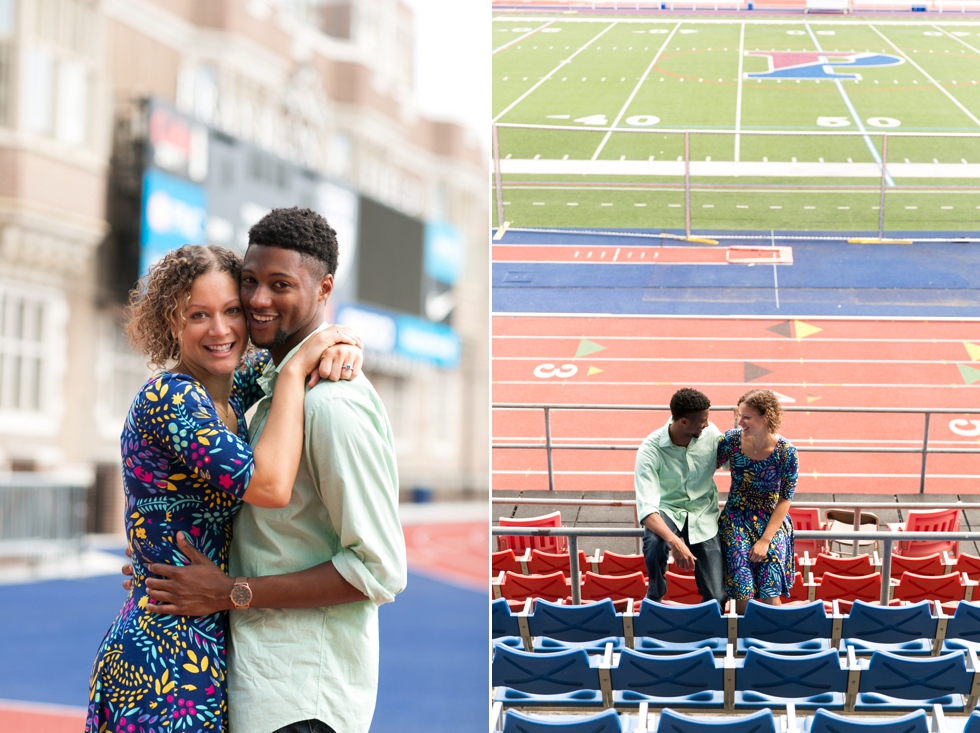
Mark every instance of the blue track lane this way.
pixel 924 280
pixel 434 665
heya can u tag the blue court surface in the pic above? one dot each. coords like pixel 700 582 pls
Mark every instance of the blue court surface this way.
pixel 434 669
pixel 828 277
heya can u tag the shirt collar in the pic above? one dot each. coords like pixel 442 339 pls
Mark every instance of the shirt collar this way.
pixel 267 381
pixel 666 442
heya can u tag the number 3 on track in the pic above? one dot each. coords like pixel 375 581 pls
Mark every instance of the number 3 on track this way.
pixel 960 427
pixel 544 371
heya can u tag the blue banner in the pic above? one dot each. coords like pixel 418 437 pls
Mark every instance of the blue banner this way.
pixel 174 212
pixel 445 252
pixel 396 333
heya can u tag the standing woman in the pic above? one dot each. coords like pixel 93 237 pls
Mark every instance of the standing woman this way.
pixel 756 531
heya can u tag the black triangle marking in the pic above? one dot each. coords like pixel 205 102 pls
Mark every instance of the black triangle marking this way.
pixel 783 329
pixel 754 371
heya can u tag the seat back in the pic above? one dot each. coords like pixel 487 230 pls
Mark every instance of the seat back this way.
pixel 520 544
pixel 667 676
pixel 799 591
pixel 615 564
pixel 965 623
pixel 889 624
pixel 575 623
pixel 542 563
pixel 682 588
pixel 502 621
pixel 807 519
pixel 802 676
pixel 543 674
pixel 785 624
pixel 608 721
pixel 917 678
pixel 912 587
pixel 758 722
pixel 849 588
pixel 969 564
pixel 680 623
pixel 936 520
pixel 859 565
pixel 827 722
pixel 596 587
pixel 504 560
pixel 924 565
pixel 517 587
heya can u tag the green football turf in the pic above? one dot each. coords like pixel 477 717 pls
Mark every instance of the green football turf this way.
pixel 675 74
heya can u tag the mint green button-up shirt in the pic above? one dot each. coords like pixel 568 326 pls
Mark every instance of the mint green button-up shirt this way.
pixel 289 665
pixel 679 482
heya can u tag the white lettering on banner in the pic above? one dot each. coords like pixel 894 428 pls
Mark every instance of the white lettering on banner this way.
pixel 167 215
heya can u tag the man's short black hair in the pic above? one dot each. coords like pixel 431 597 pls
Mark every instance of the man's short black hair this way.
pixel 302 230
pixel 687 402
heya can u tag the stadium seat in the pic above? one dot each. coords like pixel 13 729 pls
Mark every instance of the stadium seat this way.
pixel 842 520
pixel 844 588
pixel 920 565
pixel 824 721
pixel 569 678
pixel 542 563
pixel 800 592
pixel 575 623
pixel 682 589
pixel 597 587
pixel 797 629
pixel 608 721
pixel 824 563
pixel 519 543
pixel 944 588
pixel 518 587
pixel 893 682
pixel 503 561
pixel 612 563
pixel 969 564
pixel 502 621
pixel 758 722
pixel 870 627
pixel 766 679
pixel 807 519
pixel 963 629
pixel 935 520
pixel 660 627
pixel 546 645
pixel 692 680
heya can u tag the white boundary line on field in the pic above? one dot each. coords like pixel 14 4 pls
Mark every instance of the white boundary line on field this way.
pixel 955 38
pixel 724 21
pixel 633 94
pixel 738 94
pixel 850 108
pixel 543 79
pixel 938 86
pixel 518 40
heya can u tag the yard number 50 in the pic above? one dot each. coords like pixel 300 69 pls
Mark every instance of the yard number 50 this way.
pixel 846 122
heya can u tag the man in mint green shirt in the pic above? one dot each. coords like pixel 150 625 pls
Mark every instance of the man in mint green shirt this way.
pixel 677 499
pixel 306 580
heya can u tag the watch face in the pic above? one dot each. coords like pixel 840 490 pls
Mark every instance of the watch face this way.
pixel 241 595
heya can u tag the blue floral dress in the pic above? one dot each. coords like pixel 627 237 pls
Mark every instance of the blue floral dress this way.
pixel 183 470
pixel 756 487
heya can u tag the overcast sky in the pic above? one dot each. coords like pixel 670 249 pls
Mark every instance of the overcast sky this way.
pixel 452 62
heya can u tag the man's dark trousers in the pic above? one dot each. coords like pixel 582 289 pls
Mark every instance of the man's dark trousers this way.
pixel 709 566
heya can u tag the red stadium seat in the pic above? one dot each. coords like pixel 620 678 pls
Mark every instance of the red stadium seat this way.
pixel 926 565
pixel 612 563
pixel 682 589
pixel 936 520
pixel 616 587
pixel 505 560
pixel 943 588
pixel 853 566
pixel 520 544
pixel 800 591
pixel 834 587
pixel 542 563
pixel 517 587
pixel 969 564
pixel 808 519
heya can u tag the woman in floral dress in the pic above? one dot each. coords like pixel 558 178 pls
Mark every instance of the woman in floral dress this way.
pixel 187 467
pixel 756 530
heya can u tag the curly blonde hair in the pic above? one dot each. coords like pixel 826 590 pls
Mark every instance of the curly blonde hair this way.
pixel 766 403
pixel 153 316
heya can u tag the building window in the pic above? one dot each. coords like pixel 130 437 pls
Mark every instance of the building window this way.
pixel 22 349
pixel 120 372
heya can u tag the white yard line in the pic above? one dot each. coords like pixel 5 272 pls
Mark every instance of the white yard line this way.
pixel 922 71
pixel 738 95
pixel 850 108
pixel 956 38
pixel 553 71
pixel 518 40
pixel 636 89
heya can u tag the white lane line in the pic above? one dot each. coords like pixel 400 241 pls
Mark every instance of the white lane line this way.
pixel 798 385
pixel 957 39
pixel 533 440
pixel 558 68
pixel 727 473
pixel 775 277
pixel 922 71
pixel 738 94
pixel 766 339
pixel 854 114
pixel 636 89
pixel 518 40
pixel 755 360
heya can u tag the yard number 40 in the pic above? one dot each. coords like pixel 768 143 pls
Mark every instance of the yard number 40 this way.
pixel 845 122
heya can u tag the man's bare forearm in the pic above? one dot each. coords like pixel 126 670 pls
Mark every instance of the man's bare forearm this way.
pixel 318 586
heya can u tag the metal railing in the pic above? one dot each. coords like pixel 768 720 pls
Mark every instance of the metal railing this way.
pixel 550 446
pixel 886 538
pixel 38 517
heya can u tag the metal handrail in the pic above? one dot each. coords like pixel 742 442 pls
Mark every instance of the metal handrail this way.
pixel 887 537
pixel 549 446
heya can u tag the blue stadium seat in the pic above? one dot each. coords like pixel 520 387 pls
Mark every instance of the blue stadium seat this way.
pixel 608 721
pixel 898 629
pixel 826 722
pixel 972 723
pixel 575 623
pixel 502 621
pixel 546 645
pixel 692 680
pixel 963 628
pixel 766 679
pixel 890 682
pixel 569 678
pixel 759 722
pixel 663 628
pixel 804 629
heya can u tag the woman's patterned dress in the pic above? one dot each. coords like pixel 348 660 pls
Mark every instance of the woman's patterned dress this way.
pixel 756 486
pixel 183 470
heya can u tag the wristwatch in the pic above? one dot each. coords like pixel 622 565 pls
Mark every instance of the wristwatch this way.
pixel 241 594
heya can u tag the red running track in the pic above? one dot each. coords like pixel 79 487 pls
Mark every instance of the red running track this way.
pixel 821 362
